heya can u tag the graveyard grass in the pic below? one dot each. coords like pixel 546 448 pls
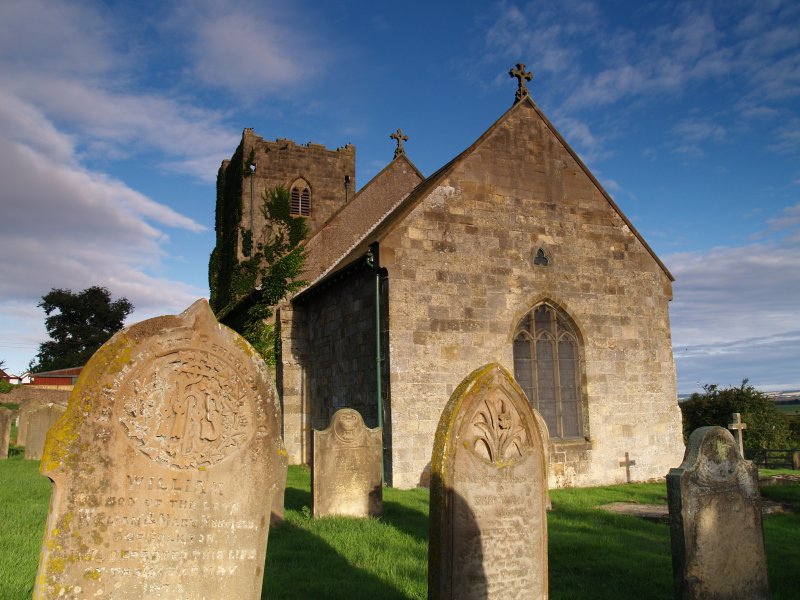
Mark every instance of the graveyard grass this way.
pixel 593 554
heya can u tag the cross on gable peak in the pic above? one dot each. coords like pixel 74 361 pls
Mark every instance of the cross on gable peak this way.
pixel 400 138
pixel 522 76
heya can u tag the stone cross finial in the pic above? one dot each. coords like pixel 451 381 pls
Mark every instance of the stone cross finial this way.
pixel 522 76
pixel 737 426
pixel 627 463
pixel 400 139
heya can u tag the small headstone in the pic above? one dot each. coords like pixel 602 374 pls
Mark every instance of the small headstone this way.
pixel 25 411
pixel 165 467
pixel 488 526
pixel 796 460
pixel 39 423
pixel 346 471
pixel 5 431
pixel 716 527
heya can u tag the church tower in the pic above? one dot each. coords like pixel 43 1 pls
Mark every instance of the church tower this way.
pixel 320 182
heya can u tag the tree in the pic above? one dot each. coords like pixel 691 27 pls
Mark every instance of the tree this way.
pixel 766 426
pixel 78 324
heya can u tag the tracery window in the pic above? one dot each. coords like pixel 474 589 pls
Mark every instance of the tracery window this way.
pixel 547 367
pixel 300 194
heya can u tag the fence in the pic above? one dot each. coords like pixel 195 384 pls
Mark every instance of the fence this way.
pixel 776 459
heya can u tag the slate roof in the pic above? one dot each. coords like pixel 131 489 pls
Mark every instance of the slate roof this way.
pixel 346 227
pixel 361 238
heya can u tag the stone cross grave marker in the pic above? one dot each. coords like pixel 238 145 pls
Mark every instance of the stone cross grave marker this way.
pixel 715 521
pixel 488 527
pixel 346 470
pixel 40 420
pixel 738 426
pixel 165 467
pixel 627 463
pixel 5 431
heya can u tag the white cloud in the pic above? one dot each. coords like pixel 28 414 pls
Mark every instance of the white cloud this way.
pixel 699 130
pixel 735 313
pixel 250 48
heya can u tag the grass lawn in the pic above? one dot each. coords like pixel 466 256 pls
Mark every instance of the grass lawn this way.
pixel 593 554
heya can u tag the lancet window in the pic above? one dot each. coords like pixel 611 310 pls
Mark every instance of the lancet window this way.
pixel 547 366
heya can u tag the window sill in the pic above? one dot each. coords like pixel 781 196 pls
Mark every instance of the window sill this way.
pixel 573 444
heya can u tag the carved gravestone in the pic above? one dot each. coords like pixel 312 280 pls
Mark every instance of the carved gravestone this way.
pixel 716 528
pixel 488 527
pixel 165 467
pixel 5 431
pixel 39 423
pixel 346 471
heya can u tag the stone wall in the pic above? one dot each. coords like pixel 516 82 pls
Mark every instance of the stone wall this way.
pixel 280 163
pixel 43 394
pixel 462 276
pixel 329 361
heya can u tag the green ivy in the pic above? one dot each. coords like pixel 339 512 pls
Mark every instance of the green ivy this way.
pixel 247 241
pixel 272 267
pixel 227 219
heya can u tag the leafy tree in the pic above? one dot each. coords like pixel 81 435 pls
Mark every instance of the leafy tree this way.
pixel 766 426
pixel 78 324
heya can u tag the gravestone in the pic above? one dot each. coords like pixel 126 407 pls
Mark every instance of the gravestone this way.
pixel 26 409
pixel 738 427
pixel 488 527
pixel 39 422
pixel 346 470
pixel 716 528
pixel 165 467
pixel 5 431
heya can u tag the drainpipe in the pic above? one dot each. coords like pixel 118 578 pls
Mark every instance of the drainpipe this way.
pixel 372 262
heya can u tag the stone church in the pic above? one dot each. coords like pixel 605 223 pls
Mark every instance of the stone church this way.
pixel 512 252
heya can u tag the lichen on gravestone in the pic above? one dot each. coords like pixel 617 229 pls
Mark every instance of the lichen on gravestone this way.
pixel 488 526
pixel 166 466
pixel 716 526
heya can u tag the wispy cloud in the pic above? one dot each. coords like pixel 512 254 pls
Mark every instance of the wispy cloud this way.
pixel 735 310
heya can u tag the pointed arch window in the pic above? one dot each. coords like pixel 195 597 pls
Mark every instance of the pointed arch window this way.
pixel 300 194
pixel 547 367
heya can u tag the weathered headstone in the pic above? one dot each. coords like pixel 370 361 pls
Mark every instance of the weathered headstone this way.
pixel 27 408
pixel 346 470
pixel 39 423
pixel 716 527
pixel 5 431
pixel 488 527
pixel 165 467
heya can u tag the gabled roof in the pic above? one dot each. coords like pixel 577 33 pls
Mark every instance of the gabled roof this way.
pixel 403 205
pixel 347 226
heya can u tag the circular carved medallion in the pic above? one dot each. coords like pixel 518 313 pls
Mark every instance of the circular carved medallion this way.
pixel 186 409
pixel 346 426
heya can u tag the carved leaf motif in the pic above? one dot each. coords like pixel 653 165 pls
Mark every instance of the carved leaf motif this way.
pixel 498 430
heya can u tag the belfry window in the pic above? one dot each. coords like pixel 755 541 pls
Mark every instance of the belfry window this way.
pixel 301 198
pixel 547 367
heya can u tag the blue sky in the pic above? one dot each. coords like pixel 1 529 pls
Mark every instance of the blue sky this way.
pixel 114 117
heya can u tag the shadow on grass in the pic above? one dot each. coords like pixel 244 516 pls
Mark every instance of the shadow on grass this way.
pixel 296 498
pixel 287 576
pixel 411 522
